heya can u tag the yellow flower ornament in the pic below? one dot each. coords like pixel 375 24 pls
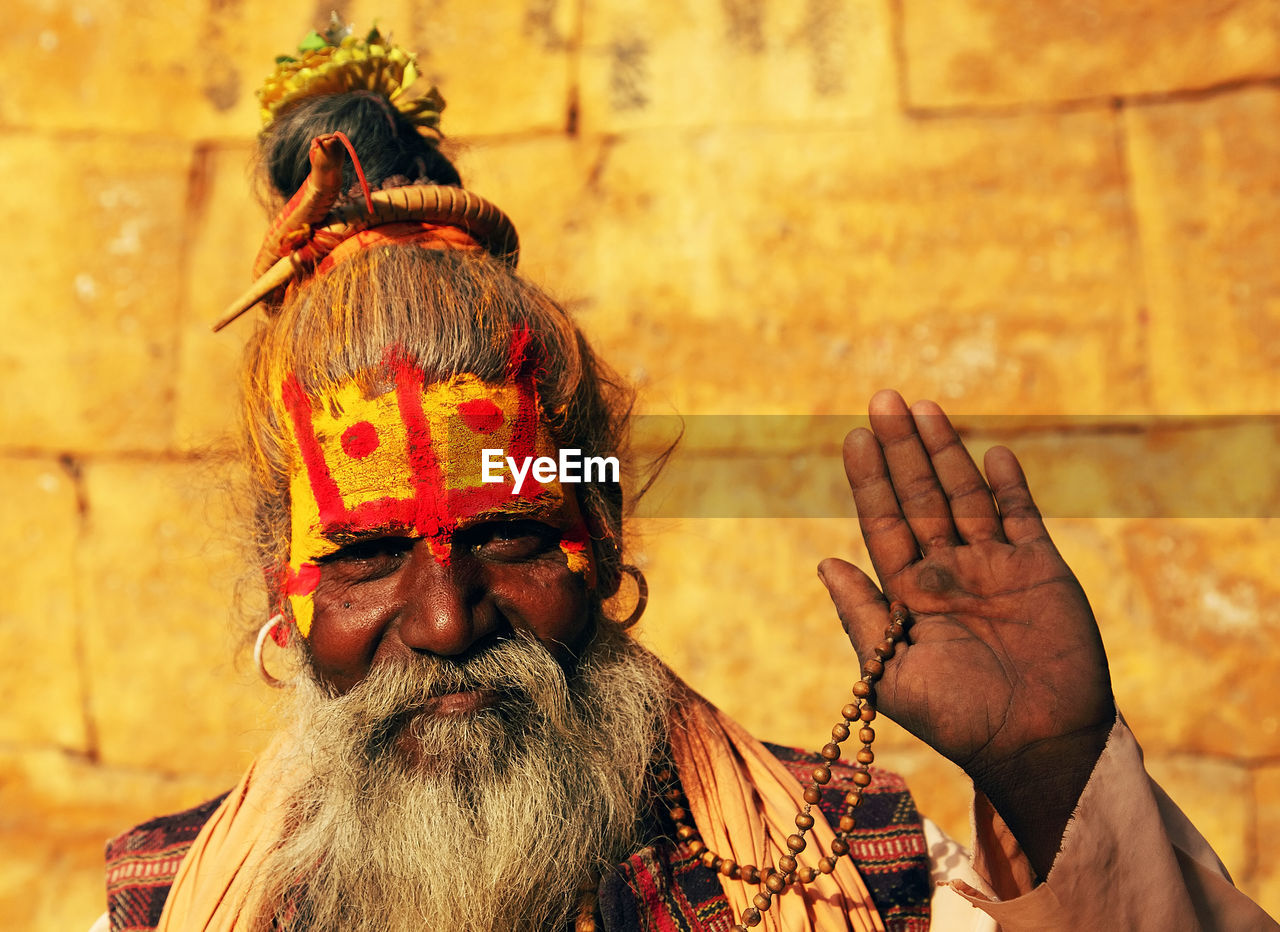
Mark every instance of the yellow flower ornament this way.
pixel 336 62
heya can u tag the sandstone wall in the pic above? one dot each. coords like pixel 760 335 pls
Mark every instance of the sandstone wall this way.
pixel 1056 219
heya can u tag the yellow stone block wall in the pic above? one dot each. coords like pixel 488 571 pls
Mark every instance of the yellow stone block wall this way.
pixel 1056 219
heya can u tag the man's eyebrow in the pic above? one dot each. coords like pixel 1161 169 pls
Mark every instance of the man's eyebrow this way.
pixel 341 537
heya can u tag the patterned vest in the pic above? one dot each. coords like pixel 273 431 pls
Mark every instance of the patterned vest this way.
pixel 661 888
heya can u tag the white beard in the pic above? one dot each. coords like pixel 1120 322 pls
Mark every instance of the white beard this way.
pixel 480 821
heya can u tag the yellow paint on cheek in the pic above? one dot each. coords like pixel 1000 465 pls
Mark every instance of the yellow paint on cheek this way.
pixel 303 607
pixel 575 553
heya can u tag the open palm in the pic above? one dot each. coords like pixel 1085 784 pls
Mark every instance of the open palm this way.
pixel 1002 669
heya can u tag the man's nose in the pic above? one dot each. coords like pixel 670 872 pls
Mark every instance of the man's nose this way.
pixel 441 609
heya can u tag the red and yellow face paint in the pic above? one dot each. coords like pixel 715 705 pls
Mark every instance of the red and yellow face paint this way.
pixel 408 462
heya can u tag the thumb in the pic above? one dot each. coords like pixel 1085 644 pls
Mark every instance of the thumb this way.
pixel 863 609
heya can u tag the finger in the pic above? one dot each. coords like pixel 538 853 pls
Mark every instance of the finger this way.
pixel 973 510
pixel 915 484
pixel 863 611
pixel 889 540
pixel 1018 512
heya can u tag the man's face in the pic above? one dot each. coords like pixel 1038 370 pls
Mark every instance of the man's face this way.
pixel 427 594
pixel 399 547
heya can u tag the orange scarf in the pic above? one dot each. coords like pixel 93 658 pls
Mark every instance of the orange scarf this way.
pixel 213 889
pixel 743 802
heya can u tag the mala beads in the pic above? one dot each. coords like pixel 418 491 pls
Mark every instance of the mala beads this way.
pixel 787 872
pixel 773 880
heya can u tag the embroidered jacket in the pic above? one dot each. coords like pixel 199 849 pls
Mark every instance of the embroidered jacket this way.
pixel 661 888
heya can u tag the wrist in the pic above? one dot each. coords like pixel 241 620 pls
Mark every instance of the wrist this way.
pixel 1036 790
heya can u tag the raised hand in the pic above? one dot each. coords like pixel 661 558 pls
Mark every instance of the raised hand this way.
pixel 1002 669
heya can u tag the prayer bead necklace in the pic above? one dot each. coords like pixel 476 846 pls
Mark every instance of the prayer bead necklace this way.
pixel 773 880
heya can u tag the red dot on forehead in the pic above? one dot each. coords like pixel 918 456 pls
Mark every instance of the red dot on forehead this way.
pixel 481 414
pixel 359 440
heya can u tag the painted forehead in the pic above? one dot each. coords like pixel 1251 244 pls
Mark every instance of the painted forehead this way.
pixel 412 461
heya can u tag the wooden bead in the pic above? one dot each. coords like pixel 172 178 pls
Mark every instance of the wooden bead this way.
pixel 773 880
pixel 584 924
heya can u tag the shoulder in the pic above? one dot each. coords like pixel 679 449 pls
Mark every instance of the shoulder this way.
pixel 142 863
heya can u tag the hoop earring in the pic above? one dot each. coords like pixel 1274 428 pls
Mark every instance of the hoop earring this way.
pixel 642 595
pixel 268 630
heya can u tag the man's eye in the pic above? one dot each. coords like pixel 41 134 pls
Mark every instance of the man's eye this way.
pixel 375 550
pixel 510 540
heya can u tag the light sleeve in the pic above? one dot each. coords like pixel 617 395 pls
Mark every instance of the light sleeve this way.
pixel 1129 860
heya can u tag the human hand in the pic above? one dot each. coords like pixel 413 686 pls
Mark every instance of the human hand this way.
pixel 1001 669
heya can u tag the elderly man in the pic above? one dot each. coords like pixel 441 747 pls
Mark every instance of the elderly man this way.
pixel 476 744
